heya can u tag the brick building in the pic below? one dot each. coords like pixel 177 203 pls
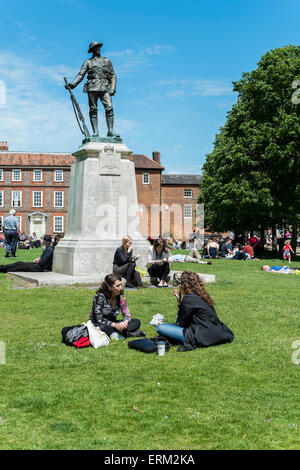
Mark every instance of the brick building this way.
pixel 36 185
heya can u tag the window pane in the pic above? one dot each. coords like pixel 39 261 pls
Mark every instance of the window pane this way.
pixel 188 211
pixel 1 198
pixel 37 175
pixel 1 175
pixel 16 199
pixel 37 198
pixel 58 223
pixel 188 193
pixel 16 175
pixel 58 199
pixel 146 178
pixel 58 175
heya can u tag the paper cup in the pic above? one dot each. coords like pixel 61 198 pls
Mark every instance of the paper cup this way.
pixel 161 348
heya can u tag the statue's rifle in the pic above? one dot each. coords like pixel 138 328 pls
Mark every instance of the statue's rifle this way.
pixel 78 113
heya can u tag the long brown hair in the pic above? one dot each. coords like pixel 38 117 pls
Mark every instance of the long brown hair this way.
pixel 191 283
pixel 105 287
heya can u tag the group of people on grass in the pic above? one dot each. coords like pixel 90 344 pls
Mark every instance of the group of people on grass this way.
pixel 197 324
pixel 239 251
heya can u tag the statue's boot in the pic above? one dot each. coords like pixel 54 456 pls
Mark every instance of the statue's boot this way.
pixel 110 124
pixel 94 123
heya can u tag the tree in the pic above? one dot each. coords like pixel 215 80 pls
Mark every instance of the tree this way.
pixel 251 179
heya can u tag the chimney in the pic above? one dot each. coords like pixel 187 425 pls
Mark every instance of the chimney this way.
pixel 3 146
pixel 156 157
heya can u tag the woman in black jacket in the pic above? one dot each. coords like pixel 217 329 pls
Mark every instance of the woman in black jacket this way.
pixel 197 324
pixel 124 264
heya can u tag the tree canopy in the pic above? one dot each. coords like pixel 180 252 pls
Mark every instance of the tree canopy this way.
pixel 252 177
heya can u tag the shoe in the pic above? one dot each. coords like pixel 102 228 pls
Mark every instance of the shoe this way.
pixel 13 256
pixel 135 334
pixel 7 255
pixel 209 262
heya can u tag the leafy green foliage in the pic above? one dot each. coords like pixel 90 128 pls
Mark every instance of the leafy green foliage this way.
pixel 252 177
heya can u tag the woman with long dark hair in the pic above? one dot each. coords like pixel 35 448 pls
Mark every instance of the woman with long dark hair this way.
pixel 108 302
pixel 197 324
pixel 157 263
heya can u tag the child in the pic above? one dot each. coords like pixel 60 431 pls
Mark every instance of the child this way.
pixel 287 249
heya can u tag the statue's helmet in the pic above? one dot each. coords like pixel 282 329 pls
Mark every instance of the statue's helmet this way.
pixel 93 45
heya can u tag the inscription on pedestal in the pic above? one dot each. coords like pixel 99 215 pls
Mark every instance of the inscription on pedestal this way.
pixel 109 161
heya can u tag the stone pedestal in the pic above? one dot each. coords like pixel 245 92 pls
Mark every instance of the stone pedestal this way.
pixel 102 209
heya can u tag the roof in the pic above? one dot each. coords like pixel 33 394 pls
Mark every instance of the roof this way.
pixel 36 159
pixel 185 180
pixel 145 163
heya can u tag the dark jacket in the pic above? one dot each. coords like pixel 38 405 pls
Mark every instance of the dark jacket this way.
pixel 121 257
pixel 46 259
pixel 202 327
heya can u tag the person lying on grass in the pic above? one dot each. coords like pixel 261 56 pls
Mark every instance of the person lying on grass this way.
pixel 107 304
pixel 192 257
pixel 44 263
pixel 197 324
pixel 280 269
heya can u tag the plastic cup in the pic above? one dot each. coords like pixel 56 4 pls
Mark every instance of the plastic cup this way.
pixel 161 348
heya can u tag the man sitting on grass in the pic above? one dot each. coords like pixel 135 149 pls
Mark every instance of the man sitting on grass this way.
pixel 44 263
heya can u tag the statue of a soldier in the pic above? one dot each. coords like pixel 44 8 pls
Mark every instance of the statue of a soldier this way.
pixel 101 83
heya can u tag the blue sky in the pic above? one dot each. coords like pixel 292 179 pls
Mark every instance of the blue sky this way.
pixel 175 62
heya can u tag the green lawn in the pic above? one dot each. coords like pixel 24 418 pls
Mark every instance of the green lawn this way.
pixel 243 395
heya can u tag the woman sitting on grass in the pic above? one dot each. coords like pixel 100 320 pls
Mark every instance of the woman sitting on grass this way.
pixel 197 324
pixel 107 304
pixel 124 263
pixel 158 263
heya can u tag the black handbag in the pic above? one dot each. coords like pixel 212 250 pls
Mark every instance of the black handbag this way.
pixel 148 345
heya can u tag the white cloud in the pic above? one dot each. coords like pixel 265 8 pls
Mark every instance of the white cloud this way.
pixel 181 88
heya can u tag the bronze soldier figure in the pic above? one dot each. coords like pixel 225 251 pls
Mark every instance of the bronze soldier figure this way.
pixel 101 83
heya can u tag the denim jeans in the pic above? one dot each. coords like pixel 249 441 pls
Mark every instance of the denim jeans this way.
pixel 171 331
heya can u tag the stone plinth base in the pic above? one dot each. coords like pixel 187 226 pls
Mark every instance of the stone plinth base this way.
pixel 102 209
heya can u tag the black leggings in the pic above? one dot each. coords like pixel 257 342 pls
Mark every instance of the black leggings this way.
pixel 160 271
pixel 129 273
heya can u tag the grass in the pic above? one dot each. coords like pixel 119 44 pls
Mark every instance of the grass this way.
pixel 243 395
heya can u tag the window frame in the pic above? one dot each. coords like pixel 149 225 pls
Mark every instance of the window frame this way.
pixel 1 223
pixel 188 190
pixel 13 175
pixel 33 193
pixel 62 223
pixel 12 197
pixel 63 199
pixel 34 178
pixel 190 206
pixel 55 176
pixel 1 198
pixel 143 178
pixel 1 174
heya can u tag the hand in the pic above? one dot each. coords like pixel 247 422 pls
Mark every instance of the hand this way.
pixel 176 294
pixel 159 262
pixel 121 326
pixel 36 260
pixel 111 92
pixel 69 85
